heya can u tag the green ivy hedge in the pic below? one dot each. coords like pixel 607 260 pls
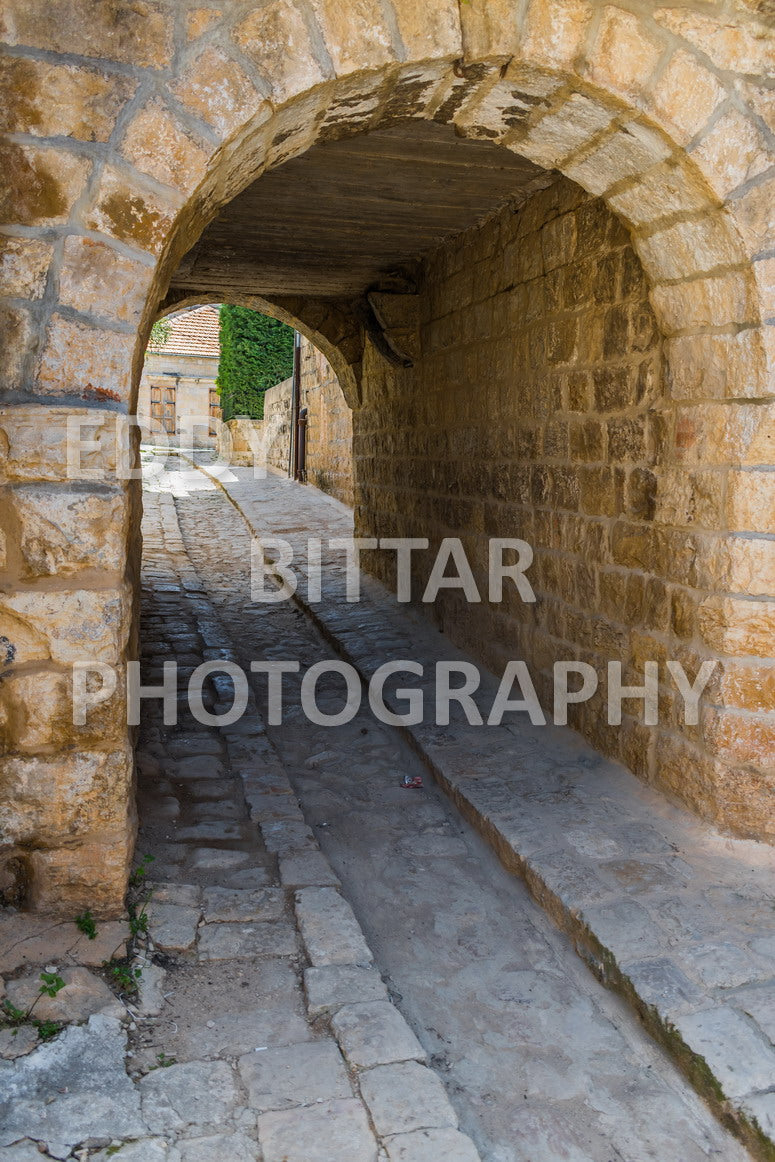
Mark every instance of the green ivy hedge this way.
pixel 256 353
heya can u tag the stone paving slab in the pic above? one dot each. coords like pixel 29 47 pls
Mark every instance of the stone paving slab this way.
pixel 298 1075
pixel 70 1089
pixel 331 1130
pixel 663 907
pixel 330 932
pixel 375 1033
pixel 406 1097
pixel 195 1093
pixel 307 869
pixel 232 941
pixel 172 927
pixel 431 1146
pixel 83 995
pixel 217 1148
pixel 331 986
pixel 26 939
pixel 237 904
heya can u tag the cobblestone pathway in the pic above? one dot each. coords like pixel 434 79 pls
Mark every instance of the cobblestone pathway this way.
pixel 335 969
pixel 540 1062
pixel 261 1031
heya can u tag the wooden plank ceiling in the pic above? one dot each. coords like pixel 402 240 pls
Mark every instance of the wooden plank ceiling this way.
pixel 331 222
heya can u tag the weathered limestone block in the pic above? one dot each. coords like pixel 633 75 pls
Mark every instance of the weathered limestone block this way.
pixel 564 129
pixel 691 248
pixel 732 152
pixel 132 213
pixel 764 273
pixel 670 188
pixel 157 144
pixel 625 53
pixel 704 366
pixel 749 501
pixel 142 37
pixel 58 100
pixel 62 531
pixel 631 149
pixel 735 626
pixel 90 362
pixel 554 32
pixel 78 625
pixel 216 89
pixel 748 686
pixel 706 302
pixel 740 738
pixel 755 216
pixel 53 800
pixel 40 185
pixel 41 444
pixel 266 35
pixel 747 565
pixel 357 37
pixel 91 873
pixel 19 334
pixel 36 712
pixel 730 44
pixel 98 280
pixel 686 95
pixel 24 263
pixel 429 32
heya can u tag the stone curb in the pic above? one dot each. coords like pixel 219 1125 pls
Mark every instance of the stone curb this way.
pixel 716 1041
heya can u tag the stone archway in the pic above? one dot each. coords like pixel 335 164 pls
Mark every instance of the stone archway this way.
pixel 160 121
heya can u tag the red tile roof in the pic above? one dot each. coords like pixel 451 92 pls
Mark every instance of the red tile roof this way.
pixel 194 332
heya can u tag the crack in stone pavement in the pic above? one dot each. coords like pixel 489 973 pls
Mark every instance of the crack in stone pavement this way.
pixel 540 1062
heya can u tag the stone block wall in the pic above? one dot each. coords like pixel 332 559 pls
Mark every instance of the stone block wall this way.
pixel 67 812
pixel 329 426
pixel 542 407
pixel 276 424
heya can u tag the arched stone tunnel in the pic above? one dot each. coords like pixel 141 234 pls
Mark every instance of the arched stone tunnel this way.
pixel 542 272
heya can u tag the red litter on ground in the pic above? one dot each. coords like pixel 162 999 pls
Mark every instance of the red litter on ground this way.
pixel 411 781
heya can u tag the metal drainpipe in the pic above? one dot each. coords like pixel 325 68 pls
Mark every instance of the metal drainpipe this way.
pixel 295 394
pixel 301 447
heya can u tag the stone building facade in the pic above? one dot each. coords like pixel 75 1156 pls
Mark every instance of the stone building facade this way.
pixel 178 399
pixel 594 369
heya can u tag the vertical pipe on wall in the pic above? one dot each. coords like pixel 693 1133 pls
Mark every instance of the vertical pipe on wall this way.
pixel 295 393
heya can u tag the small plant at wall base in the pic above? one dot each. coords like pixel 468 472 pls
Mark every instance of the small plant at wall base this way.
pixel 13 1018
pixel 85 923
pixel 256 353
